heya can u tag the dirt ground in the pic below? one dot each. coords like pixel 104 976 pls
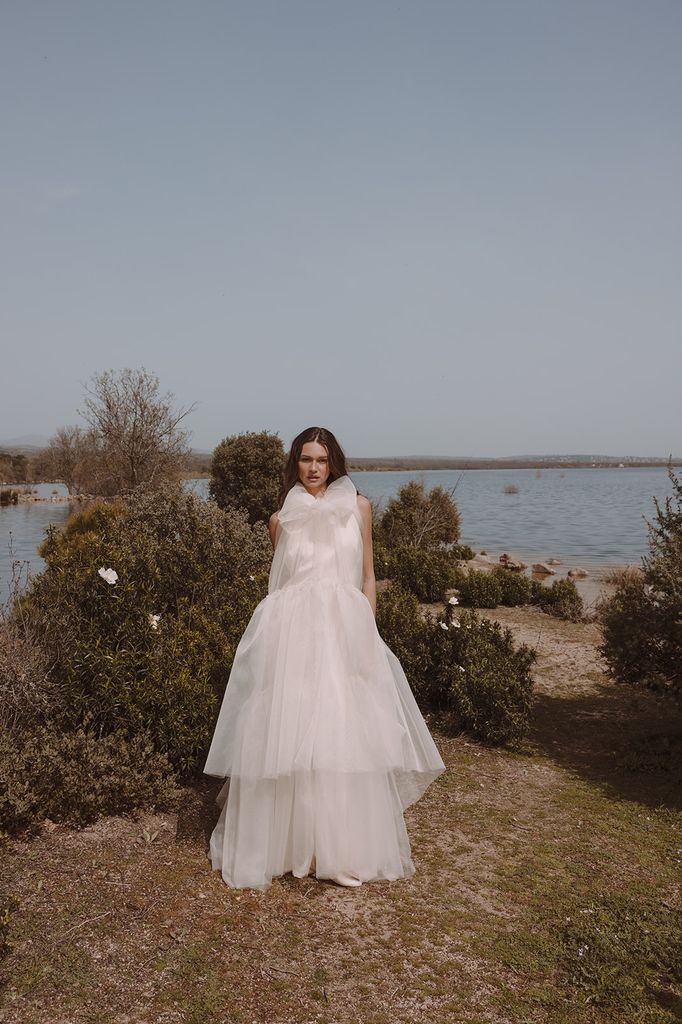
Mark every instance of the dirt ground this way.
pixel 124 922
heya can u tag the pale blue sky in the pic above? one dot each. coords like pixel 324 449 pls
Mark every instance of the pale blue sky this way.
pixel 435 228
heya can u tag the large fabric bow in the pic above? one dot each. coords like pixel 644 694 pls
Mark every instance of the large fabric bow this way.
pixel 339 499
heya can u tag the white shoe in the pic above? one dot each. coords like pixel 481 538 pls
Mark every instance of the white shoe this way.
pixel 346 879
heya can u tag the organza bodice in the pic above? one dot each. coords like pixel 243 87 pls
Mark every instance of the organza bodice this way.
pixel 320 538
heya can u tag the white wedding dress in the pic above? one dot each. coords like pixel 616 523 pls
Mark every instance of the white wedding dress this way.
pixel 319 735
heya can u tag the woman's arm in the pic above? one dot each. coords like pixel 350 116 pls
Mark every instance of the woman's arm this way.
pixel 369 583
pixel 273 529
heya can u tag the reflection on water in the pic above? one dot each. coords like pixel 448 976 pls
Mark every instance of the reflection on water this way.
pixel 588 517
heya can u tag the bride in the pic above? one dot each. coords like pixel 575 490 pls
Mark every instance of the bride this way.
pixel 319 736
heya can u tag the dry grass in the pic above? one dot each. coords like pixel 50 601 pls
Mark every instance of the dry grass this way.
pixel 125 922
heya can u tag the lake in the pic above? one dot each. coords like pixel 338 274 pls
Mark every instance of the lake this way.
pixel 594 518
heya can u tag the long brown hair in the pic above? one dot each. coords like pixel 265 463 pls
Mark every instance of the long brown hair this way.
pixel 337 460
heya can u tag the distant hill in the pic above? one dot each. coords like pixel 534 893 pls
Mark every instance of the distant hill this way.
pixel 25 441
pixel 417 462
pixel 28 444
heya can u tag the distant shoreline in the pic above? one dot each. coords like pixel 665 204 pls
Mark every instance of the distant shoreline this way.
pixel 387 464
pixel 402 464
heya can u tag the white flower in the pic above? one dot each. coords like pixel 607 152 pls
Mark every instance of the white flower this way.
pixel 251 577
pixel 461 668
pixel 453 600
pixel 582 950
pixel 456 623
pixel 154 621
pixel 110 575
pixel 443 625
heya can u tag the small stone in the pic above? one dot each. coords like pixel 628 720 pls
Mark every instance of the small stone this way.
pixel 543 568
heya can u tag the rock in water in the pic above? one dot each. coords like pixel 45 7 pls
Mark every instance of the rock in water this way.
pixel 542 567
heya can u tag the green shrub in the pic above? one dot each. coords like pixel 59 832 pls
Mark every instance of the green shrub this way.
pixel 246 473
pixel 381 558
pixel 78 776
pixel 561 599
pixel 500 586
pixel 630 626
pixel 415 541
pixel 29 690
pixel 469 673
pixel 479 589
pixel 463 552
pixel 421 520
pixel 484 682
pixel 642 621
pixel 401 624
pixel 515 588
pixel 426 573
pixel 200 569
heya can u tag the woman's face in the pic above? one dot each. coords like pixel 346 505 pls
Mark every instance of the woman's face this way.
pixel 313 466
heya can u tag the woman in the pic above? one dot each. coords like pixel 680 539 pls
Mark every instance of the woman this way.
pixel 319 735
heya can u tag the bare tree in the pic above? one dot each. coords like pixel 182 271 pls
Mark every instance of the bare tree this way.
pixel 133 429
pixel 71 456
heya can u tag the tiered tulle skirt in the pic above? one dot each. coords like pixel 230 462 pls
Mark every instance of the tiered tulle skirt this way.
pixel 321 741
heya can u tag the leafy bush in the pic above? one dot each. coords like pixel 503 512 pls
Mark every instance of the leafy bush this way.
pixel 500 586
pixel 480 589
pixel 465 669
pixel 463 552
pixel 515 588
pixel 561 599
pixel 421 520
pixel 630 626
pixel 484 682
pixel 246 472
pixel 415 541
pixel 642 621
pixel 427 573
pixel 381 555
pixel 199 569
pixel 29 690
pixel 401 624
pixel 77 776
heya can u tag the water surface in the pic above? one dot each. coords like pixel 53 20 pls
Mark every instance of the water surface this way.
pixel 594 518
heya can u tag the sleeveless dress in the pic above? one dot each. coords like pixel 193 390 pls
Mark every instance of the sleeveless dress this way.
pixel 319 735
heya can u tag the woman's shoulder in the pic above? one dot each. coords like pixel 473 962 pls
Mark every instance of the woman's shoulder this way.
pixel 364 504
